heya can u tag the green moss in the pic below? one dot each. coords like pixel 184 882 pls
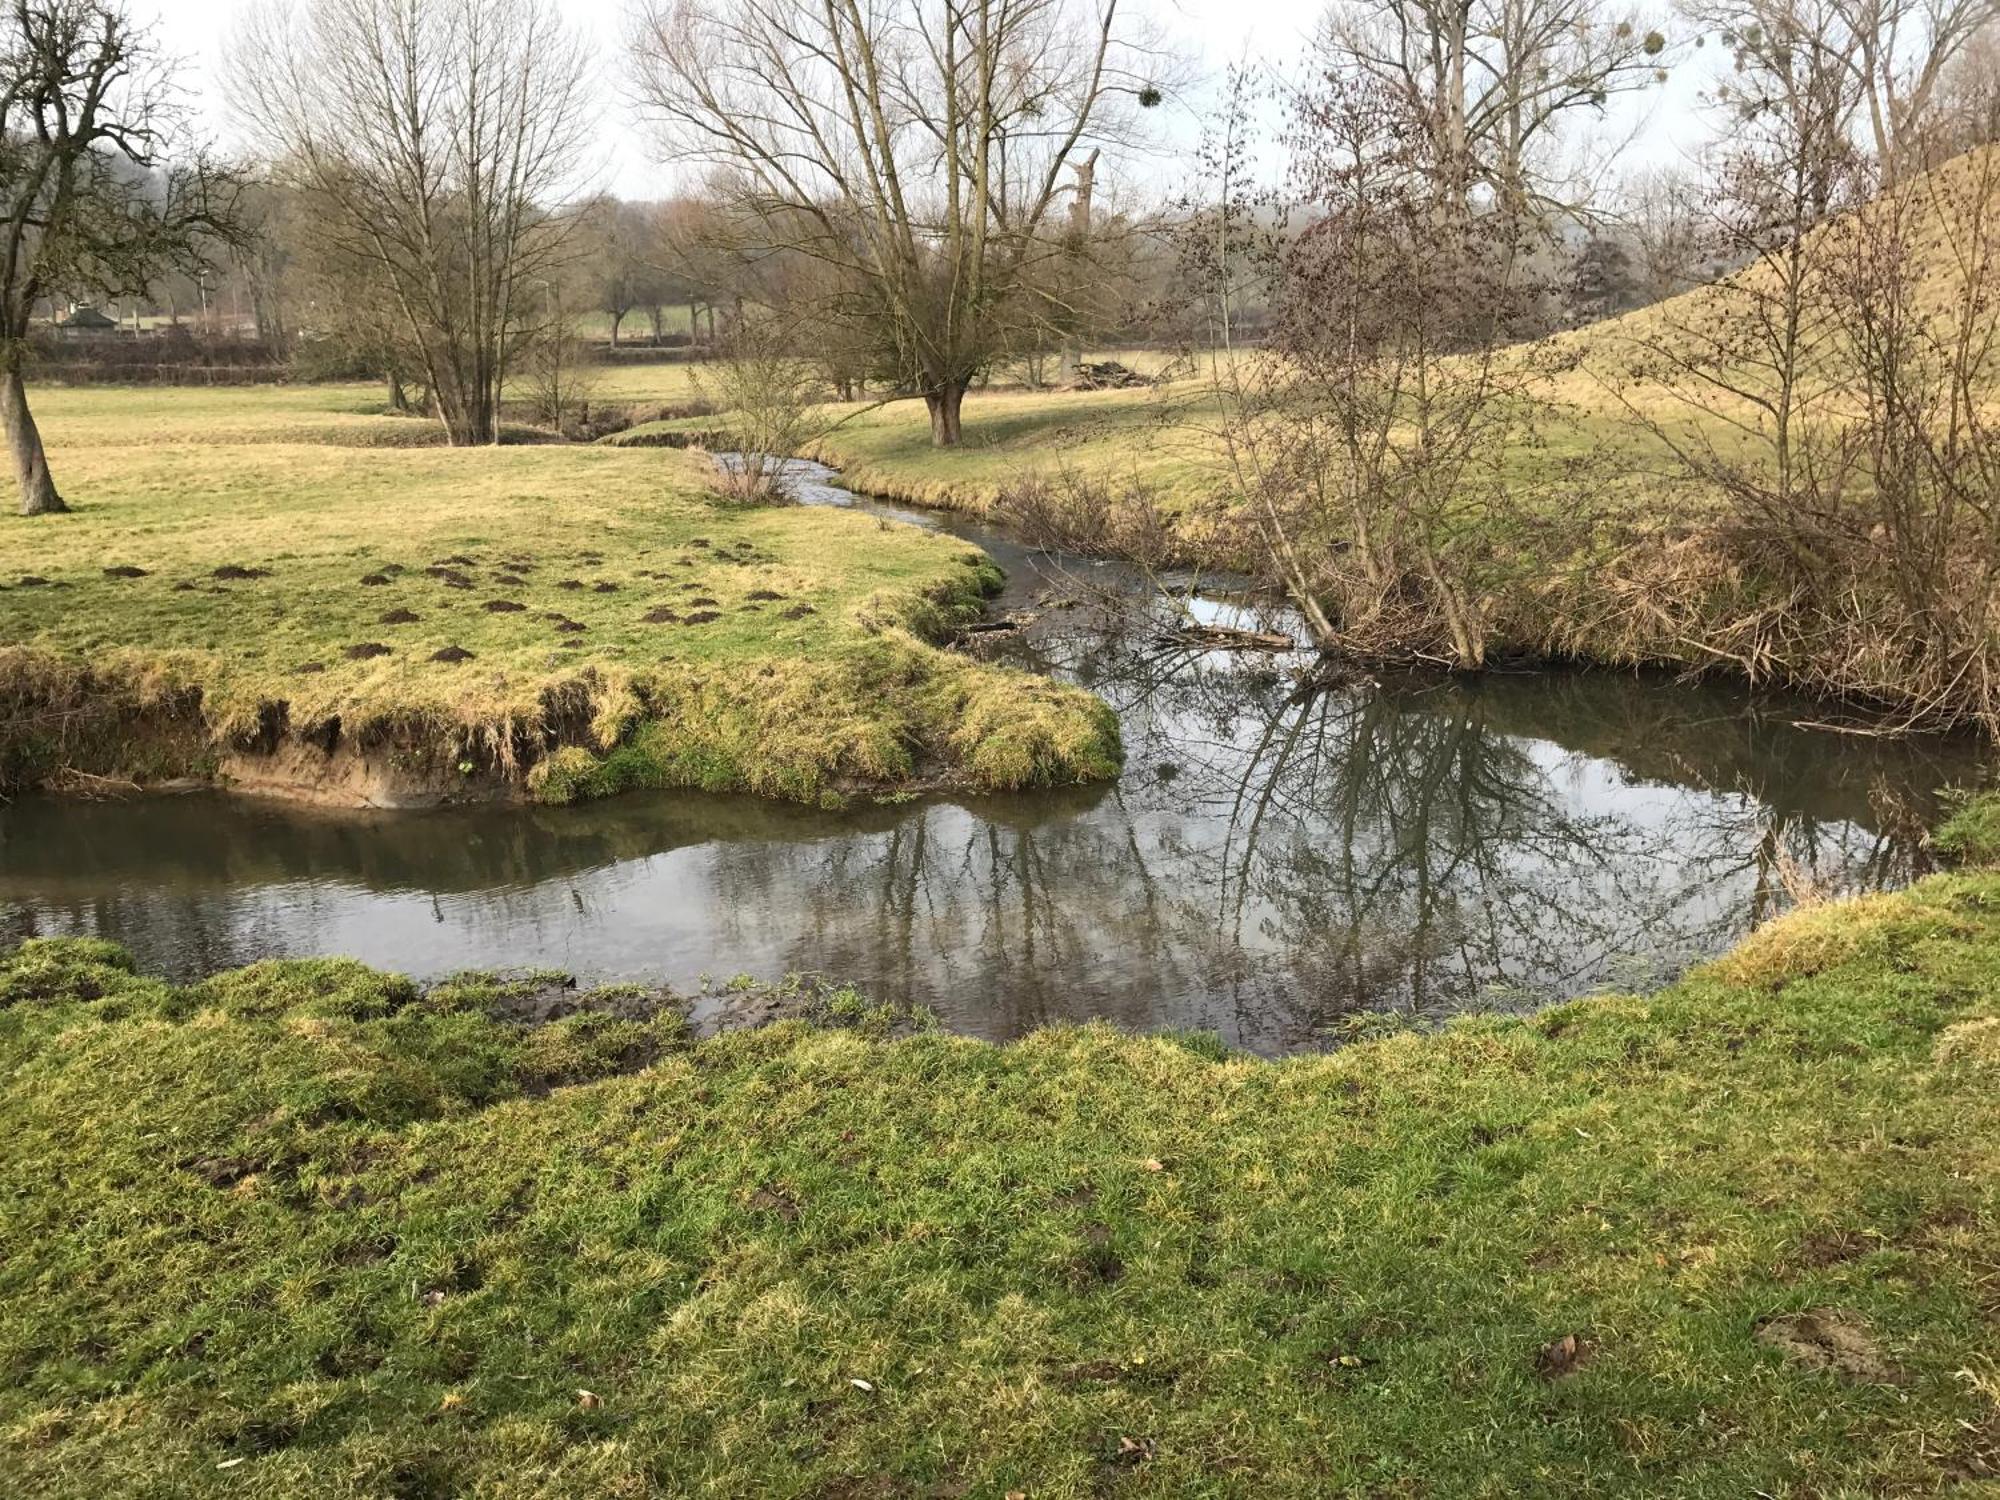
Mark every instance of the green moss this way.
pixel 303 1231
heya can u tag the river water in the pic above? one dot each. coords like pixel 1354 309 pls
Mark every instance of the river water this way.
pixel 1277 866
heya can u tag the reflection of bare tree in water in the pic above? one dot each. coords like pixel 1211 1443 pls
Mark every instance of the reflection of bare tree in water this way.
pixel 1372 849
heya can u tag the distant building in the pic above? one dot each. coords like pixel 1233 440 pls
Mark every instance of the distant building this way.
pixel 83 318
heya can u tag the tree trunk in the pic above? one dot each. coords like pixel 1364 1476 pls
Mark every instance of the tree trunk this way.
pixel 943 405
pixel 398 400
pixel 24 441
pixel 616 319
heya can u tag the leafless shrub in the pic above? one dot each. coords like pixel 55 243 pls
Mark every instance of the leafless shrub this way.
pixel 1836 400
pixel 773 398
pixel 1074 511
pixel 1372 442
pixel 562 375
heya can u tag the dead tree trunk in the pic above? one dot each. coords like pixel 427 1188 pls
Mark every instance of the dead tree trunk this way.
pixel 1079 236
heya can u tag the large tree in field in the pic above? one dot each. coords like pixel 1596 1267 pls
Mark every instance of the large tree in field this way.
pixel 92 206
pixel 436 136
pixel 920 148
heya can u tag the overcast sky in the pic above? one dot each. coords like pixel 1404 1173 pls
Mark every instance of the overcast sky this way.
pixel 1662 125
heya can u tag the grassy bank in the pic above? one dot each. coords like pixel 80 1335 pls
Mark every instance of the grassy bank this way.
pixel 253 566
pixel 302 1231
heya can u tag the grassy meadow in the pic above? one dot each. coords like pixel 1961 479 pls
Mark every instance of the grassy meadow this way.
pixel 294 546
pixel 301 1230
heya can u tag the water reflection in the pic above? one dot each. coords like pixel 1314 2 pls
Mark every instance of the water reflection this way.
pixel 1272 864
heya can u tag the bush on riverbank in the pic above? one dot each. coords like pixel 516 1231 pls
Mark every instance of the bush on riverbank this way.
pixel 232 585
pixel 302 1230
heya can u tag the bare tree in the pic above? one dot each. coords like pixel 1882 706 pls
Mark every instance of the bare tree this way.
pixel 437 135
pixel 1495 83
pixel 1894 59
pixel 920 145
pixel 1661 211
pixel 618 261
pixel 92 204
pixel 1969 107
pixel 1369 443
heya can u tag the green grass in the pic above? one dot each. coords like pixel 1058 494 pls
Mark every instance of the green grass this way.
pixel 1972 833
pixel 301 1231
pixel 812 671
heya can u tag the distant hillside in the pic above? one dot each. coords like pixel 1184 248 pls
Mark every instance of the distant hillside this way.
pixel 1948 220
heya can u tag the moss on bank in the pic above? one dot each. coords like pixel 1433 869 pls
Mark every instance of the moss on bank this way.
pixel 232 580
pixel 303 1230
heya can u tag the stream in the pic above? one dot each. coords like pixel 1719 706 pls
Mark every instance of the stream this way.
pixel 1279 867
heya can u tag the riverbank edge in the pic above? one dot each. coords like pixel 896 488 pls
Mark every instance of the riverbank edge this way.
pixel 905 717
pixel 1427 1234
pixel 1668 598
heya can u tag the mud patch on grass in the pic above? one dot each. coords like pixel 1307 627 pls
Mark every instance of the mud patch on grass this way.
pixel 229 572
pixel 400 617
pixel 374 580
pixel 451 654
pixel 701 617
pixel 1828 1247
pixel 504 607
pixel 1832 1341
pixel 660 616
pixel 1560 1358
pixel 774 1200
pixel 797 612
pixel 366 651
pixel 125 570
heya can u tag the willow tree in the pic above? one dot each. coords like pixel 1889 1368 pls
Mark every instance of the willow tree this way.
pixel 92 206
pixel 435 136
pixel 921 148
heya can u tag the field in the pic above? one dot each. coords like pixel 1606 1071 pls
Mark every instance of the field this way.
pixel 296 547
pixel 302 1231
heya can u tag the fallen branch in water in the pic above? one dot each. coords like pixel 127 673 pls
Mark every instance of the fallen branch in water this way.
pixel 71 782
pixel 1223 638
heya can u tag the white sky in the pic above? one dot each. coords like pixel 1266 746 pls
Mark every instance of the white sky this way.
pixel 1663 124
